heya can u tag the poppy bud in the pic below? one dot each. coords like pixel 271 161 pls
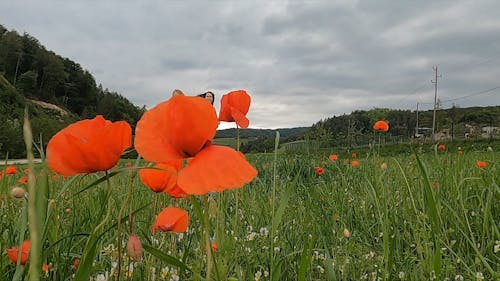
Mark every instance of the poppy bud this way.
pixel 134 247
pixel 383 167
pixel 346 233
pixel 17 192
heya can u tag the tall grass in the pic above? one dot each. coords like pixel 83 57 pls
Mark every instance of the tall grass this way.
pixel 433 216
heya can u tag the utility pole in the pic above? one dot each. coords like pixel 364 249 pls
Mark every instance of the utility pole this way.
pixel 416 127
pixel 435 82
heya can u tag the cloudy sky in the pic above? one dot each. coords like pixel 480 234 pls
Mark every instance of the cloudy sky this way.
pixel 301 61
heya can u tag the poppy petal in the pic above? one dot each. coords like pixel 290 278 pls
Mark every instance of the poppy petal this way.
pixel 216 168
pixel 163 177
pixel 175 129
pixel 88 146
pixel 240 118
pixel 234 102
pixel 171 219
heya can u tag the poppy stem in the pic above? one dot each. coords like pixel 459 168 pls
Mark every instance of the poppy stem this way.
pixel 237 138
pixel 37 206
pixel 22 229
pixel 206 228
pixel 119 230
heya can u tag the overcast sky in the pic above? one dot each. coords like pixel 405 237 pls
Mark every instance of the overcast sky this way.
pixel 301 61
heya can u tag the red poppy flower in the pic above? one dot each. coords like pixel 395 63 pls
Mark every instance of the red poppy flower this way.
pixel 354 155
pixel 319 171
pixel 11 170
pixel 88 146
pixel 442 147
pixel 481 164
pixel 45 267
pixel 381 126
pixel 460 152
pixel 25 249
pixel 171 219
pixel 333 157
pixel 355 163
pixel 214 246
pixel 234 107
pixel 184 127
pixel 23 180
pixel 76 263
pixel 163 178
pixel 128 164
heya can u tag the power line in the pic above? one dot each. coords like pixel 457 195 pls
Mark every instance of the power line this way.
pixel 474 94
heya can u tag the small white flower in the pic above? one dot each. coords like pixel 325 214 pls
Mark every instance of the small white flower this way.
pixel 101 277
pixel 264 231
pixel 479 276
pixel 459 277
pixel 251 236
pixel 320 268
pixel 402 275
pixel 496 248
pixel 257 275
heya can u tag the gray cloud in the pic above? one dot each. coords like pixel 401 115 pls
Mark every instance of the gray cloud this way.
pixel 300 60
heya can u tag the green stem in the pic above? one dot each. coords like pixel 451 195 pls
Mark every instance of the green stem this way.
pixel 237 138
pixel 273 200
pixel 22 229
pixel 206 232
pixel 36 209
pixel 119 232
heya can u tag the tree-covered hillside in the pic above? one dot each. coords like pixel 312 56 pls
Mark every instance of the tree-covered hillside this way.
pixel 28 71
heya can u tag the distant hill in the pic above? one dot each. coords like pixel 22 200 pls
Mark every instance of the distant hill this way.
pixel 286 133
pixel 56 90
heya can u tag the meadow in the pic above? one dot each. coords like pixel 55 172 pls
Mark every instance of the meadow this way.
pixel 420 214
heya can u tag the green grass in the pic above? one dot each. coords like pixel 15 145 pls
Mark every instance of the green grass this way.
pixel 431 216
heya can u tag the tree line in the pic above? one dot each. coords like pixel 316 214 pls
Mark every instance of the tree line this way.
pixel 28 71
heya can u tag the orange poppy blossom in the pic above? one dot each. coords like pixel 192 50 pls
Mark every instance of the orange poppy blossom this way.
pixel 481 164
pixel 11 170
pixel 381 126
pixel 214 246
pixel 23 180
pixel 163 178
pixel 171 219
pixel 442 147
pixel 333 157
pixel 319 171
pixel 234 107
pixel 88 146
pixel 184 127
pixel 13 252
pixel 354 163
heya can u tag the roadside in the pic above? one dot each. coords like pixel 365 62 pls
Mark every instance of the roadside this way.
pixel 18 161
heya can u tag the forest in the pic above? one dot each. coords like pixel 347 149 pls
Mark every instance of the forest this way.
pixel 29 72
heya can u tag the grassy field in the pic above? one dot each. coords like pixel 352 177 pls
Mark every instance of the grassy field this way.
pixel 416 214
